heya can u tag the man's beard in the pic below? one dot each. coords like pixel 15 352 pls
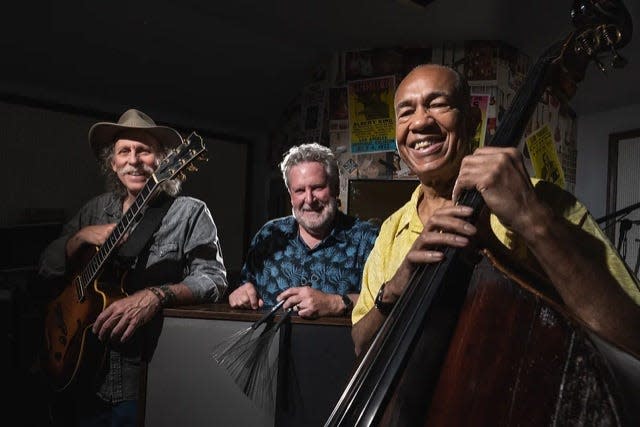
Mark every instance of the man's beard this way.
pixel 318 224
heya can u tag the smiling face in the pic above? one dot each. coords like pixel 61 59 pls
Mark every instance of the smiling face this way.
pixel 313 204
pixel 134 160
pixel 431 130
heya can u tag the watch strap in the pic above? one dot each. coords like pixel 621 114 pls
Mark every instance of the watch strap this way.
pixel 348 304
pixel 383 307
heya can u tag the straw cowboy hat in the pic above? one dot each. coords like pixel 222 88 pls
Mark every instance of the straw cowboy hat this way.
pixel 104 133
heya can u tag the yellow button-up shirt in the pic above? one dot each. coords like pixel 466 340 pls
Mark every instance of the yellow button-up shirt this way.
pixel 401 229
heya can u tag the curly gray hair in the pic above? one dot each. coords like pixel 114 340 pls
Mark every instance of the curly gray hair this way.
pixel 312 152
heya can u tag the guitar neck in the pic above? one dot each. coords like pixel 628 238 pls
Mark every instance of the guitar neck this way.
pixel 90 272
pixel 171 167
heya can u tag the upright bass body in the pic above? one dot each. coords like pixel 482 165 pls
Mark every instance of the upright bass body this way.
pixel 515 358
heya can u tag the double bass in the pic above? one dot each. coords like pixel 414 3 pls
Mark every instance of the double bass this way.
pixel 489 344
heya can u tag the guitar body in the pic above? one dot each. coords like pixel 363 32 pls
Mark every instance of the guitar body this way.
pixel 72 352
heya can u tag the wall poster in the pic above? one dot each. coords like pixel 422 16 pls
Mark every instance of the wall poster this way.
pixel 371 115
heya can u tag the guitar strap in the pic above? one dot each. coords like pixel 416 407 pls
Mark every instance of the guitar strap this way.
pixel 149 223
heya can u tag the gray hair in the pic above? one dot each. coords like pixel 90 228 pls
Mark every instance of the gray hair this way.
pixel 312 152
pixel 172 187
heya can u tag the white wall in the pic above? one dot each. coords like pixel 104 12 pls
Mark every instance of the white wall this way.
pixel 593 146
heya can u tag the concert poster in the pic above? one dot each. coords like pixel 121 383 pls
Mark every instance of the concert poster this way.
pixel 371 115
pixel 544 156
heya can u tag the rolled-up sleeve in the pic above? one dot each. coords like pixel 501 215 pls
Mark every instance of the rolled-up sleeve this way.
pixel 205 273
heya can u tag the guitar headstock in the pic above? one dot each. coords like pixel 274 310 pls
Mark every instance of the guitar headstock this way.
pixel 181 158
pixel 602 27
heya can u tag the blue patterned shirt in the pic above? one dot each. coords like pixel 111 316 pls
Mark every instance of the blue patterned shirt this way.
pixel 279 259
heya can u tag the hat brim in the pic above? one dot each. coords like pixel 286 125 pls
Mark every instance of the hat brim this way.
pixel 103 134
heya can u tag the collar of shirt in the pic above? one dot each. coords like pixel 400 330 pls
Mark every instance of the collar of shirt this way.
pixel 113 208
pixel 410 219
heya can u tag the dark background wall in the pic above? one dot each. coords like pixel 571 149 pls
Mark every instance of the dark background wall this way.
pixel 54 173
pixel 227 70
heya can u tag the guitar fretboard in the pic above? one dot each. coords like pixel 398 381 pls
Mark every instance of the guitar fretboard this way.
pixel 90 272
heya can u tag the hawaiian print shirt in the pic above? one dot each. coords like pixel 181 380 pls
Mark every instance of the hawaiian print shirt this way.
pixel 279 259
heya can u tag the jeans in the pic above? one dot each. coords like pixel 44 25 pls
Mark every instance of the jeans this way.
pixel 102 414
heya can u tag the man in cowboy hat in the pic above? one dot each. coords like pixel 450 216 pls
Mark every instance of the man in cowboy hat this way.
pixel 181 263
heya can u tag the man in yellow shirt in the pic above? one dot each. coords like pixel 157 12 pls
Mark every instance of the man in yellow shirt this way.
pixel 541 224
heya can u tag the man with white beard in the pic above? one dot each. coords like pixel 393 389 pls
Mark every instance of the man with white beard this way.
pixel 312 259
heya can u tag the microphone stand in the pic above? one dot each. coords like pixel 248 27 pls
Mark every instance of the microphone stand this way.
pixel 625 226
pixel 618 213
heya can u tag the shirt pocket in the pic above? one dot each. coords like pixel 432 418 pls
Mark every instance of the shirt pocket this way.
pixel 163 252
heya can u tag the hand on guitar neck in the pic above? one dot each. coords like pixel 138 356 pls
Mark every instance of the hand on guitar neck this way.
pixel 94 235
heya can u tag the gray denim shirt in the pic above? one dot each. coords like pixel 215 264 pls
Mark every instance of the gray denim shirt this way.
pixel 184 249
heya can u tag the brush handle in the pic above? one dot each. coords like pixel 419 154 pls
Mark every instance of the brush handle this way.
pixel 284 317
pixel 267 316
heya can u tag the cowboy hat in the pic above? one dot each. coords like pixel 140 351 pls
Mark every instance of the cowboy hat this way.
pixel 104 133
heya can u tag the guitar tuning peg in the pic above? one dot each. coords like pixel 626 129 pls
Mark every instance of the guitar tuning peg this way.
pixel 182 176
pixel 617 60
pixel 203 158
pixel 192 168
pixel 600 65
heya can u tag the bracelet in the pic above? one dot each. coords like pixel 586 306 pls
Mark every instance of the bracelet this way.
pixel 169 295
pixel 164 300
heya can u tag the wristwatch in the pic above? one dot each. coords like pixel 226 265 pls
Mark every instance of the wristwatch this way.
pixel 348 304
pixel 383 307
